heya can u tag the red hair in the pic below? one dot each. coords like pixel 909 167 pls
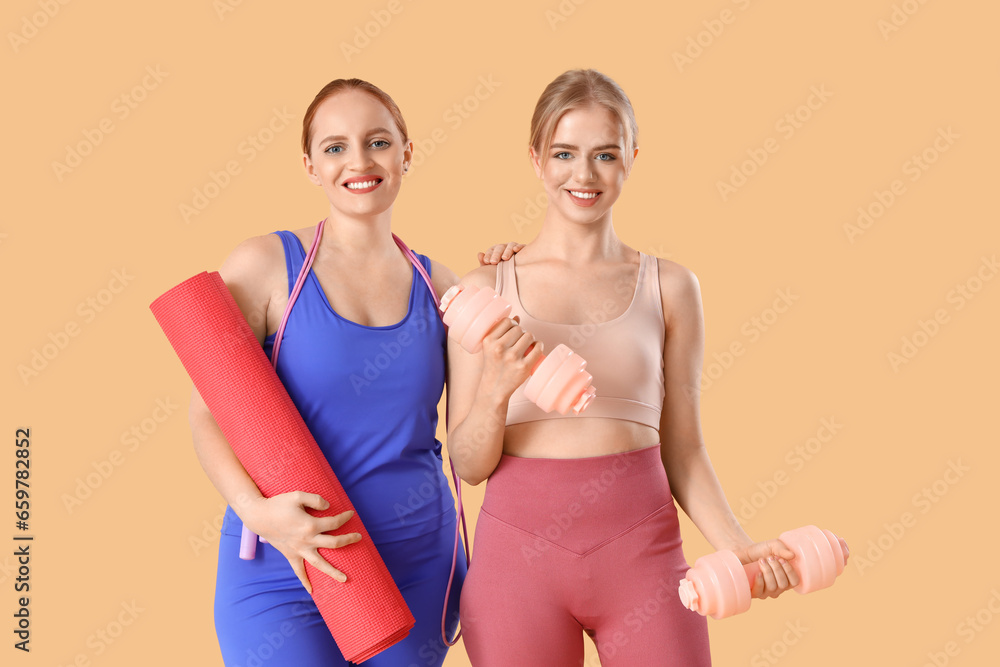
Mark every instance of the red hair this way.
pixel 341 85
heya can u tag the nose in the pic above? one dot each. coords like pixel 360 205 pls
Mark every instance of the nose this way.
pixel 361 160
pixel 583 171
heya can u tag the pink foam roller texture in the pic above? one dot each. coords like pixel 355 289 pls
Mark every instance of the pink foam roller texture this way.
pixel 719 584
pixel 366 614
pixel 559 382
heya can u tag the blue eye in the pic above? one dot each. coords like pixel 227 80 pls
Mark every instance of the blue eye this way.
pixel 340 149
pixel 560 153
pixel 608 155
pixel 380 141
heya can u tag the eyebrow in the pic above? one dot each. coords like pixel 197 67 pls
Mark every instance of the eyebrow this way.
pixel 340 137
pixel 597 148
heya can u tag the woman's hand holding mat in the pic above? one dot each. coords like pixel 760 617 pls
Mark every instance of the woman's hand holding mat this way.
pixel 284 522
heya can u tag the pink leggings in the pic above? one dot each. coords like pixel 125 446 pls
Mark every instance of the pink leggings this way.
pixel 591 544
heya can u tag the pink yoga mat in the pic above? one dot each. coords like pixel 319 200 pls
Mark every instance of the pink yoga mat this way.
pixel 367 613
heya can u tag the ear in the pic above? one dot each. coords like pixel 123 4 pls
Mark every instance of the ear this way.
pixel 310 169
pixel 407 154
pixel 535 161
pixel 635 154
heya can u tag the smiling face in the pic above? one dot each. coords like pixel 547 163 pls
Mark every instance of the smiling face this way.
pixel 583 171
pixel 357 154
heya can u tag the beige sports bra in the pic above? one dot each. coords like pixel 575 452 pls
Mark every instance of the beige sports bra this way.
pixel 625 354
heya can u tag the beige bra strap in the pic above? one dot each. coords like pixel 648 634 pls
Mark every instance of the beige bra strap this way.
pixel 501 269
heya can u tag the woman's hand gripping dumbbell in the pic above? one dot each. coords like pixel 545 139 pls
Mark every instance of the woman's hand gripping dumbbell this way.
pixel 558 382
pixel 719 584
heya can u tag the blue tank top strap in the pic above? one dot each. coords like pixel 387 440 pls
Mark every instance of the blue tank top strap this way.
pixel 294 256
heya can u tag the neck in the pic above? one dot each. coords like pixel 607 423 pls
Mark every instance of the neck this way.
pixel 361 238
pixel 576 242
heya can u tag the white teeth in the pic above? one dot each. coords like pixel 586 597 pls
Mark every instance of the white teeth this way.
pixel 584 195
pixel 361 185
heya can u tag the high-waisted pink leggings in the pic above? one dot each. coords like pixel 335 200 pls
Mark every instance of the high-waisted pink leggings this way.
pixel 592 544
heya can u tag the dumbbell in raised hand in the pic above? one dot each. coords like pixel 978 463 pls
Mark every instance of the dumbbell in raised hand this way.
pixel 719 584
pixel 558 381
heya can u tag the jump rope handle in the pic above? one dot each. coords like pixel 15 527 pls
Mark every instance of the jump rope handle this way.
pixel 248 540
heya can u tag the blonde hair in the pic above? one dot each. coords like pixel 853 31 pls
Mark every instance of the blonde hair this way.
pixel 575 89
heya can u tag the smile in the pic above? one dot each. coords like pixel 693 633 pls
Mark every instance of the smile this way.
pixel 584 197
pixel 361 186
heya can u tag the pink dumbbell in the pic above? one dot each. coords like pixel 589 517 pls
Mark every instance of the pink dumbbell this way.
pixel 558 382
pixel 719 584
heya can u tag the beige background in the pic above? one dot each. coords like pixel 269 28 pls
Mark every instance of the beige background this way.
pixel 894 76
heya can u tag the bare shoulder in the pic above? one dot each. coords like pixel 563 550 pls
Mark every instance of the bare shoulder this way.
pixel 442 277
pixel 253 258
pixel 482 276
pixel 254 272
pixel 680 290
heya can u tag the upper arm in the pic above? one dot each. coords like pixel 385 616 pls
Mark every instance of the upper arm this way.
pixel 248 272
pixel 465 369
pixel 683 353
pixel 442 278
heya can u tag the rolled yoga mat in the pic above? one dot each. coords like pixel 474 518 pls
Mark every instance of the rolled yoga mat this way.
pixel 367 613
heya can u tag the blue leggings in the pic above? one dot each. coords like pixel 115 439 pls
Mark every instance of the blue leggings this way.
pixel 265 618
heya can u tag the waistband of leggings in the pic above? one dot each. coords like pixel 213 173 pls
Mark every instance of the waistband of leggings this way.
pixel 633 482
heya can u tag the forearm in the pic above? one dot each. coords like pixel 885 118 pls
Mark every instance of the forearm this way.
pixel 220 462
pixel 697 490
pixel 475 444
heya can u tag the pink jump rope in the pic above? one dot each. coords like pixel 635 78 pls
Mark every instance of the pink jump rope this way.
pixel 719 584
pixel 248 540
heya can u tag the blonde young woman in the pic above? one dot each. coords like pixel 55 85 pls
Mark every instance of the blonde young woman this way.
pixel 362 307
pixel 578 530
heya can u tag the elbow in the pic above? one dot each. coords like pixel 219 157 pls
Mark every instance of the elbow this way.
pixel 473 480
